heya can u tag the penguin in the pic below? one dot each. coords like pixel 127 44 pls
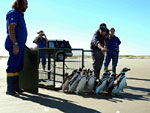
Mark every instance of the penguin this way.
pixel 120 82
pixel 111 83
pixel 118 88
pixel 66 81
pixel 74 81
pixel 102 84
pixel 91 81
pixel 82 83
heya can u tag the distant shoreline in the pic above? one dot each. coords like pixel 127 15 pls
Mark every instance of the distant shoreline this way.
pixel 3 56
pixel 134 56
pixel 120 56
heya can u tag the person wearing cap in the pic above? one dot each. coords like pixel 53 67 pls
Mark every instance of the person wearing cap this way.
pixel 98 50
pixel 112 44
pixel 15 45
pixel 41 41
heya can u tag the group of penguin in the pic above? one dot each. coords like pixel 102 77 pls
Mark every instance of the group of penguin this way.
pixel 83 81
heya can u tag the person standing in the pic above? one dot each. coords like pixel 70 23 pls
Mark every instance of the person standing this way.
pixel 15 45
pixel 112 44
pixel 41 41
pixel 98 50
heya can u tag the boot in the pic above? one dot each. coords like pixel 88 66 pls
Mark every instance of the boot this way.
pixel 114 70
pixel 43 67
pixel 17 89
pixel 11 87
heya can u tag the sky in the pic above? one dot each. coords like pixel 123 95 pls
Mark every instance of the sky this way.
pixel 77 21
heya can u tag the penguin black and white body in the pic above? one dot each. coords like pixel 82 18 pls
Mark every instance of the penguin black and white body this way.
pixel 118 87
pixel 74 81
pixel 111 83
pixel 67 79
pixel 66 82
pixel 101 86
pixel 91 81
pixel 120 82
pixel 82 83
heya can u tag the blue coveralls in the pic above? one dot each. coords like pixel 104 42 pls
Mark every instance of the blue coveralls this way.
pixel 15 62
pixel 112 52
pixel 41 43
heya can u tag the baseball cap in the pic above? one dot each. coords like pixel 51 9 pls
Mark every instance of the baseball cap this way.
pixel 40 32
pixel 103 27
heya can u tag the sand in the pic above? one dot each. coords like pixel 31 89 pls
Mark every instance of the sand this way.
pixel 134 99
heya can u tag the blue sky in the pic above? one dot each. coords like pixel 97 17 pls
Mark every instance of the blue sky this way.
pixel 77 20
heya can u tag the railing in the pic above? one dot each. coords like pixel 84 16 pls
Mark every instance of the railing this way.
pixel 53 74
pixel 55 69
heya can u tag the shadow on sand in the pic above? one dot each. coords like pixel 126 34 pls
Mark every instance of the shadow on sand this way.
pixel 127 96
pixel 71 107
pixel 104 97
pixel 63 105
pixel 131 78
pixel 138 89
pixel 119 99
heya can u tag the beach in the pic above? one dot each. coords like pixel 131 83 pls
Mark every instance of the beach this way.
pixel 135 98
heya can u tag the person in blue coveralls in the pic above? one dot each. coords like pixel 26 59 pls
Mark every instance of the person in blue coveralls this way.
pixel 112 45
pixel 15 45
pixel 41 41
